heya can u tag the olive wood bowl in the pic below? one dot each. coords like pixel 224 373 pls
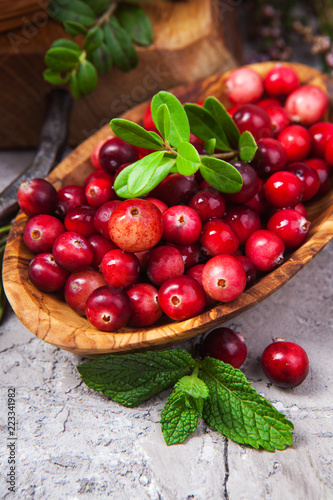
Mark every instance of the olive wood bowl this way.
pixel 49 317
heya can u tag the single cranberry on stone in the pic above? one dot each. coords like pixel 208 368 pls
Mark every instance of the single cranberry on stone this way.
pixel 254 119
pixel 37 196
pixel 120 269
pixel 70 197
pixel 46 274
pixel 182 298
pixel 223 278
pixel 145 307
pixel 218 237
pixel 290 225
pixel 108 308
pixel 181 225
pixel 306 105
pixel 41 232
pixel 244 85
pixel 79 286
pixel 102 217
pixel 265 249
pixel 164 262
pixel 226 345
pixel 136 225
pixel 284 189
pixel 81 220
pixel 114 153
pixel 72 252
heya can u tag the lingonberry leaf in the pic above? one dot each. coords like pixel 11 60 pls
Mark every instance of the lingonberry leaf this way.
pixel 204 126
pixel 120 45
pixel 132 378
pixel 75 10
pixel 86 77
pixel 94 38
pixel 193 386
pixel 102 59
pixel 188 159
pixel 120 183
pixel 67 44
pixel 98 6
pixel 247 146
pixel 223 119
pixel 61 59
pixel 220 174
pixel 136 23
pixel 143 173
pixel 179 126
pixel 235 409
pixel 76 92
pixel 163 120
pixel 179 417
pixel 74 28
pixel 136 135
pixel 56 78
pixel 210 146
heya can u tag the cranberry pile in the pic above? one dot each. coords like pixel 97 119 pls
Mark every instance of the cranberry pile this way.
pixel 186 246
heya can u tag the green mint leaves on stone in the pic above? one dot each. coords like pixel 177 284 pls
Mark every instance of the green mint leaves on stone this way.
pixel 208 389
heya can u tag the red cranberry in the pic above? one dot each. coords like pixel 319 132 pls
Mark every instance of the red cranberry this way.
pixel 45 273
pixel 145 307
pixel 290 225
pixel 176 189
pixel 244 85
pixel 70 197
pixel 249 268
pixel 181 225
pixel 243 221
pixel 164 262
pixel 254 119
pixel 265 249
pixel 102 217
pixel 195 272
pixel 114 153
pixel 306 105
pixel 321 133
pixel 159 203
pixel 41 232
pixel 281 81
pixel 217 237
pixel 279 119
pixel 323 172
pixel 147 119
pixel 300 208
pixel 182 298
pixel 226 345
pixel 94 158
pixel 329 152
pixel 223 278
pixel 98 174
pixel 269 102
pixel 136 225
pixel 100 191
pixel 258 203
pixel 191 254
pixel 78 288
pixel 308 176
pixel 208 203
pixel 37 196
pixel 81 220
pixel 100 246
pixel 297 141
pixel 270 157
pixel 72 252
pixel 120 269
pixel 285 364
pixel 284 189
pixel 108 308
pixel 250 184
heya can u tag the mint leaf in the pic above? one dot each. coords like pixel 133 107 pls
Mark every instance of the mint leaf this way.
pixel 193 386
pixel 130 379
pixel 179 417
pixel 61 59
pixel 179 126
pixel 163 119
pixel 235 409
pixel 134 134
pixel 204 126
pixel 188 159
pixel 224 120
pixel 136 23
pixel 221 175
pixel 247 146
pixel 143 172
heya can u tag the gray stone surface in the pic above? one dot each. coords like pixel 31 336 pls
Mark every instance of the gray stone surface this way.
pixel 74 443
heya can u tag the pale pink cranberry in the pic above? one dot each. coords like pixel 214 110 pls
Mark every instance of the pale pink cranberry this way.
pixel 79 286
pixel 145 307
pixel 41 232
pixel 208 203
pixel 72 252
pixel 102 217
pixel 243 86
pixel 181 225
pixel 120 269
pixel 46 274
pixel 108 308
pixel 281 81
pixel 182 298
pixel 223 278
pixel 290 225
pixel 306 105
pixel 219 238
pixel 265 249
pixel 164 262
pixel 243 220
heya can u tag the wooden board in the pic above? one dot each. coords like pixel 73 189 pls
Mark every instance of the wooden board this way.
pixel 47 316
pixel 193 39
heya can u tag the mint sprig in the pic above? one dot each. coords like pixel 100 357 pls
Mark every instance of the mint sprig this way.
pixel 208 389
pixel 174 121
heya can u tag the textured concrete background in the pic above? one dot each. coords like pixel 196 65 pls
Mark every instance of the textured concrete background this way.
pixel 74 443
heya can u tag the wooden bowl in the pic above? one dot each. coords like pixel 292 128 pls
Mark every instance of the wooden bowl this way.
pixel 49 317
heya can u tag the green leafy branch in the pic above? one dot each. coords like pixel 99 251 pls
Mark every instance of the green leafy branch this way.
pixel 173 151
pixel 109 31
pixel 205 388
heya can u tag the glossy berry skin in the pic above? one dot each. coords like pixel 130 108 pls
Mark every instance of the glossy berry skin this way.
pixel 176 189
pixel 283 189
pixel 45 273
pixel 269 158
pixel 329 152
pixel 191 254
pixel 182 298
pixel 145 307
pixel 100 246
pixel 249 268
pixel 94 158
pixel 226 345
pixel 243 221
pixel 81 220
pixel 159 203
pixel 321 133
pixel 98 174
pixel 306 105
pixel 136 225
pixel 108 308
pixel 250 184
pixel 290 225
pixel 196 273
pixel 278 117
pixel 99 191
pixel 41 232
pixel 223 278
pixel 181 225
pixel 218 237
pixel 120 269
pixel 265 249
pixel 37 196
pixel 164 262
pixel 281 81
pixel 244 85
pixel 308 176
pixel 208 203
pixel 285 364
pixel 72 252
pixel 114 153
pixel 323 172
pixel 102 217
pixel 258 203
pixel 79 286
pixel 296 141
pixel 70 197
pixel 254 119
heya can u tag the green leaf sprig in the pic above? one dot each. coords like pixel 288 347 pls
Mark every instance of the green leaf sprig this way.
pixel 205 388
pixel 173 151
pixel 109 31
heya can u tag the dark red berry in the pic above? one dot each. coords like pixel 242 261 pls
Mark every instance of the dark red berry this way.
pixel 254 119
pixel 114 153
pixel 208 203
pixel 37 196
pixel 250 184
pixel 70 197
pixel 308 176
pixel 102 217
pixel 145 307
pixel 72 252
pixel 270 157
pixel 81 220
pixel 243 220
pixel 164 262
pixel 181 225
pixel 226 345
pixel 108 308
pixel 120 269
pixel 45 273
pixel 78 288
